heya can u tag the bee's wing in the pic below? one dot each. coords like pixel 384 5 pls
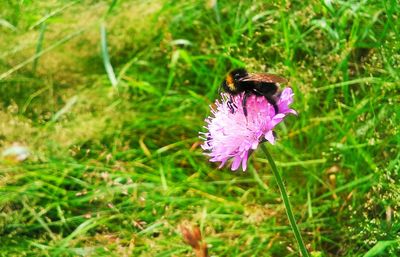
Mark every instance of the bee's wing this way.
pixel 264 77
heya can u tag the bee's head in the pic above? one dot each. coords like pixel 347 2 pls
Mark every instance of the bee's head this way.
pixel 231 80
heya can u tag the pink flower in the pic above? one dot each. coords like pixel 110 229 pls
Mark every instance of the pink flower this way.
pixel 234 136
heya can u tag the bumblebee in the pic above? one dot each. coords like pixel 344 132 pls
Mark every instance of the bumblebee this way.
pixel 260 84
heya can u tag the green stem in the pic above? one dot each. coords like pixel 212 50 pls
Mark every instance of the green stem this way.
pixel 285 199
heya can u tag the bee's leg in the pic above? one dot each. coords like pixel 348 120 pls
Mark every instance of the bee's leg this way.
pixel 276 108
pixel 229 104
pixel 272 101
pixel 244 102
pixel 232 102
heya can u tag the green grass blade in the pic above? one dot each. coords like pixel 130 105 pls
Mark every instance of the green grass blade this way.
pixel 106 58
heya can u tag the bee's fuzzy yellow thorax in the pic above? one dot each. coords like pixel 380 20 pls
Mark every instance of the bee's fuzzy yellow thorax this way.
pixel 229 82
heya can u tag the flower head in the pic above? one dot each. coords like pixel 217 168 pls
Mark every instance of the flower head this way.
pixel 234 136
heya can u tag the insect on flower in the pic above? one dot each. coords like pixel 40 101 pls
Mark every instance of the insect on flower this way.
pixel 261 84
pixel 234 135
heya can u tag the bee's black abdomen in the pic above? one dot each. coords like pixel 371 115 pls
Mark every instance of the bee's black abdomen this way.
pixel 265 88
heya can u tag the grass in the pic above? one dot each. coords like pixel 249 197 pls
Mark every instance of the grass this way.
pixel 109 97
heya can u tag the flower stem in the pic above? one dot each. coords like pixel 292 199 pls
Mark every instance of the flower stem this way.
pixel 285 199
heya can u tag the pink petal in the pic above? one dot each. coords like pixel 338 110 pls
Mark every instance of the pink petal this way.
pixel 269 136
pixel 244 161
pixel 236 163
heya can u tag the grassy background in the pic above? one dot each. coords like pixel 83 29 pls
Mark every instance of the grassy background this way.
pixel 115 165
